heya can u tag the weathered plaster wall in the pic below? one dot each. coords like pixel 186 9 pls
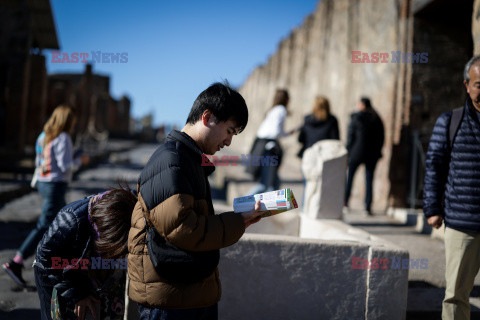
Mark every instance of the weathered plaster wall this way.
pixel 316 59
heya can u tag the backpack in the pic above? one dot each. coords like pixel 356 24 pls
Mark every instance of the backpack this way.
pixel 455 120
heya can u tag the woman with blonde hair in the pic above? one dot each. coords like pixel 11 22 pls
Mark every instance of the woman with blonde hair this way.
pixel 54 158
pixel 319 125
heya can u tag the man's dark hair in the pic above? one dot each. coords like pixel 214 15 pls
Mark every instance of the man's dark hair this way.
pixel 366 102
pixel 224 102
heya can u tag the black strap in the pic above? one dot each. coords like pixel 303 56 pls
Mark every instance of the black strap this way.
pixel 457 115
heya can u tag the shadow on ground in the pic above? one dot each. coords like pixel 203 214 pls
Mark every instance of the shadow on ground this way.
pixel 13 233
pixel 20 314
pixel 436 293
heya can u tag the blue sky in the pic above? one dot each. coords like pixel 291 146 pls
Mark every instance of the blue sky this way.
pixel 175 49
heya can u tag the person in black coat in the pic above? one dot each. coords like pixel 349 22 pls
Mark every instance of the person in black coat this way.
pixel 317 126
pixel 81 256
pixel 364 144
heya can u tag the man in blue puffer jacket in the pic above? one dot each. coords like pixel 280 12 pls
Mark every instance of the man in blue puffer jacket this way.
pixel 452 194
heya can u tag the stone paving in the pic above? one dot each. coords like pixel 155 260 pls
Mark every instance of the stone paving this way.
pixel 17 217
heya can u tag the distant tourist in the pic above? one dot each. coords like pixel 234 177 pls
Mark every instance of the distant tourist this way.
pixel 175 235
pixel 80 264
pixel 317 126
pixel 452 193
pixel 266 144
pixel 364 144
pixel 55 164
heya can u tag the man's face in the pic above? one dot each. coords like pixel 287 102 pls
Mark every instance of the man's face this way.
pixel 219 135
pixel 473 86
pixel 360 106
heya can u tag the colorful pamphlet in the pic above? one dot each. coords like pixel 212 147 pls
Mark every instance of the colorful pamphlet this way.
pixel 273 202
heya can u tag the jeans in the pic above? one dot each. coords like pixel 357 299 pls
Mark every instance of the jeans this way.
pixel 208 313
pixel 44 290
pixel 53 194
pixel 369 170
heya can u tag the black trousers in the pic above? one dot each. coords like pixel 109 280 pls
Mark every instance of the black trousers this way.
pixel 369 171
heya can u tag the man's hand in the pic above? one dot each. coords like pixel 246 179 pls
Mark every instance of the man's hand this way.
pixel 435 221
pixel 82 305
pixel 253 216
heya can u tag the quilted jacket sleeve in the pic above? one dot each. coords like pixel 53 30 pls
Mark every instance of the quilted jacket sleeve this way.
pixel 65 238
pixel 186 222
pixel 178 221
pixel 437 163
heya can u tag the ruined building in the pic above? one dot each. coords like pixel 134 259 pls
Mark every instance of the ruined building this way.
pixel 426 42
pixel 28 95
pixel 99 115
pixel 26 27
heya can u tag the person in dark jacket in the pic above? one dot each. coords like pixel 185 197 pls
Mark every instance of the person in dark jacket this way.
pixel 451 195
pixel 317 126
pixel 174 199
pixel 364 144
pixel 82 254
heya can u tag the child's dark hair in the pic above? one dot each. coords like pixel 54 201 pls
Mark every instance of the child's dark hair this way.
pixel 112 214
pixel 224 102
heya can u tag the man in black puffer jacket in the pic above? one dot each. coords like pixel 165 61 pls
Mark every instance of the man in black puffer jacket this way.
pixel 364 144
pixel 174 200
pixel 452 194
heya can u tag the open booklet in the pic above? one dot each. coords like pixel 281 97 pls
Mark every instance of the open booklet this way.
pixel 273 202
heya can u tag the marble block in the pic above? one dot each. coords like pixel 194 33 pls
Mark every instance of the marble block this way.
pixel 324 168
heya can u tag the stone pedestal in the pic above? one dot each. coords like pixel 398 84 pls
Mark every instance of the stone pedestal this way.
pixel 324 168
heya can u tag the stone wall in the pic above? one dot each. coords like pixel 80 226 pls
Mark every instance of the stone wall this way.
pixel 316 59
pixel 15 44
pixel 476 26
pixel 281 277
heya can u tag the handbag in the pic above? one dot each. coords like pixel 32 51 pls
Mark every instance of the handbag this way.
pixel 55 306
pixel 59 313
pixel 38 170
pixel 34 181
pixel 56 310
pixel 177 265
pixel 257 149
